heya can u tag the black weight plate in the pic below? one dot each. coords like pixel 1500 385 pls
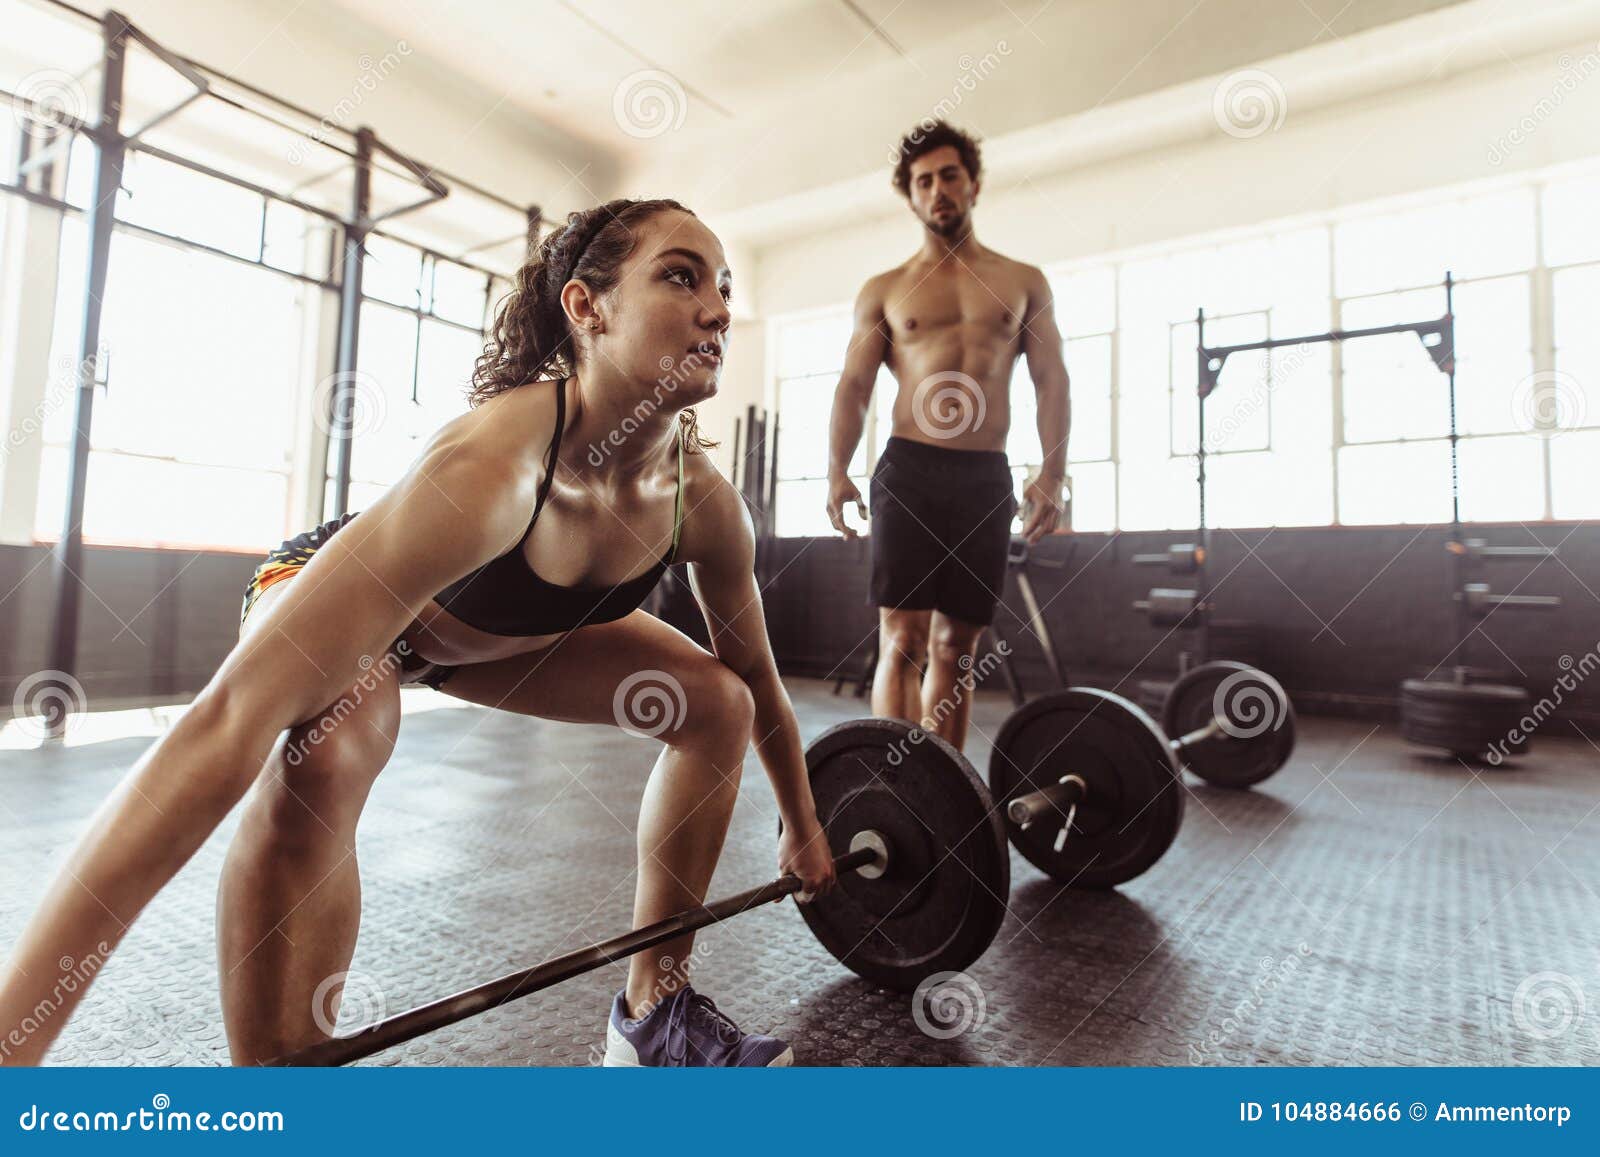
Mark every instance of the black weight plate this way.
pixel 942 898
pixel 1467 719
pixel 1133 806
pixel 1257 722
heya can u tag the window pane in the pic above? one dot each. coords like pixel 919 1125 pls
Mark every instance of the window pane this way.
pixel 444 370
pixel 1086 301
pixel 458 293
pixel 1493 354
pixel 148 502
pixel 1577 308
pixel 803 509
pixel 171 199
pixel 1571 225
pixel 1394 484
pixel 1159 494
pixel 1243 376
pixel 193 342
pixel 386 423
pixel 1393 390
pixel 1378 253
pixel 1298 276
pixel 1269 489
pixel 80 172
pixel 805 406
pixel 1502 479
pixel 1089 365
pixel 288 233
pixel 1575 475
pixel 392 272
pixel 1094 496
pixel 813 345
pixel 1492 234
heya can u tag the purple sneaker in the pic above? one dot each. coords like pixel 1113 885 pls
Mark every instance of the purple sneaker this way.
pixel 687 1030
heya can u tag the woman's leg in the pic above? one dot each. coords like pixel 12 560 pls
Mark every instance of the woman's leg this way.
pixel 305 654
pixel 704 712
pixel 289 903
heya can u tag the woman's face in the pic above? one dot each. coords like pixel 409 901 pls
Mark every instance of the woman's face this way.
pixel 665 323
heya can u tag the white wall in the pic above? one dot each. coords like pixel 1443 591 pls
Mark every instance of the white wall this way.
pixel 1431 135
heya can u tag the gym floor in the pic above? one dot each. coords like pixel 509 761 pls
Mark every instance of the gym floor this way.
pixel 1368 905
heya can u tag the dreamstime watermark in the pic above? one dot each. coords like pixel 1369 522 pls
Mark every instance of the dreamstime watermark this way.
pixel 1549 403
pixel 356 996
pixel 366 683
pixel 1269 974
pixel 967 682
pixel 1261 390
pixel 673 373
pixel 648 703
pixel 1249 103
pixel 44 701
pixel 948 1004
pixel 1246 707
pixel 372 73
pixel 648 103
pixel 948 404
pixel 75 974
pixel 365 410
pixel 48 102
pixel 159 1118
pixel 60 389
pixel 1574 672
pixel 1572 73
pixel 972 72
pixel 1547 1004
pixel 674 976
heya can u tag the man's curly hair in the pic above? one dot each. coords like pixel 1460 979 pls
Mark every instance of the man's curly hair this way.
pixel 927 137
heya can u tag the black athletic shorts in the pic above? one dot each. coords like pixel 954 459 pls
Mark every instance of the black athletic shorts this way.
pixel 940 530
pixel 290 557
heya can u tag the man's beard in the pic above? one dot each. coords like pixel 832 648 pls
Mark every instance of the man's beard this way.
pixel 951 227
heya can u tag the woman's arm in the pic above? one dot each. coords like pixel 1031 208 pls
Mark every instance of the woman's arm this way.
pixel 722 574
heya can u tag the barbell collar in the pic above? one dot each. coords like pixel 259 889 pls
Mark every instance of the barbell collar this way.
pixel 1057 797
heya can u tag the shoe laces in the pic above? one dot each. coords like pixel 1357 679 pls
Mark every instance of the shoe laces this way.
pixel 692 1003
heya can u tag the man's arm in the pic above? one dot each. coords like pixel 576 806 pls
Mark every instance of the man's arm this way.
pixel 1041 344
pixel 869 346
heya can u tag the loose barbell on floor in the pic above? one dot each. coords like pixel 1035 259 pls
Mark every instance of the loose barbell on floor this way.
pixel 1235 720
pixel 1111 768
pixel 923 877
pixel 1090 784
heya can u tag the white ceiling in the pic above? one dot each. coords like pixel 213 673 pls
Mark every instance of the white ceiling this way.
pixel 563 62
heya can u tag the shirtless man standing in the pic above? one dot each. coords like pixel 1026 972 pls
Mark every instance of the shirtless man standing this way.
pixel 950 323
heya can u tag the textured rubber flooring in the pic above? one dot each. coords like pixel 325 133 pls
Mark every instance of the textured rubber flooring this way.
pixel 1369 905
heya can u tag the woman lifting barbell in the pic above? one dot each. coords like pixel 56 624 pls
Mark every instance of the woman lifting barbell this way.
pixel 580 414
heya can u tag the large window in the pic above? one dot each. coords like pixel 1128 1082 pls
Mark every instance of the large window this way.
pixel 1310 434
pixel 421 333
pixel 195 410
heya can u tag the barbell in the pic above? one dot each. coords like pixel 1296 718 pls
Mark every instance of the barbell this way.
pixel 1090 783
pixel 923 878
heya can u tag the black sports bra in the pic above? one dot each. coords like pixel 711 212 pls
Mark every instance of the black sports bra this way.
pixel 505 597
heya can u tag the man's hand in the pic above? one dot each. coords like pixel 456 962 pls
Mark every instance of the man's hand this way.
pixel 842 492
pixel 1041 507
